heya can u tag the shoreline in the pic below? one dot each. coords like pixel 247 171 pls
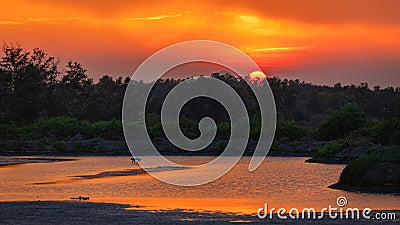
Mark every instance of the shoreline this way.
pixel 389 190
pixel 102 147
pixel 19 160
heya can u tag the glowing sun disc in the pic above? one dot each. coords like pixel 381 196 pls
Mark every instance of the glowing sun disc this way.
pixel 257 75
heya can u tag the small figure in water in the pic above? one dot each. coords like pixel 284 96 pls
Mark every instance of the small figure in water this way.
pixel 135 161
pixel 81 198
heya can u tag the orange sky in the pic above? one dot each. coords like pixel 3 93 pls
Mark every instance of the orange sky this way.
pixel 324 42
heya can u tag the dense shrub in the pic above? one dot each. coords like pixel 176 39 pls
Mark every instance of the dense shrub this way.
pixel 354 173
pixel 329 150
pixel 189 128
pixel 8 132
pixel 289 130
pixel 387 132
pixel 55 128
pixel 341 122
pixel 224 130
pixel 109 130
pixel 155 130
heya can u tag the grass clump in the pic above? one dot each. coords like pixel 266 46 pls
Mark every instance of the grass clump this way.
pixel 329 150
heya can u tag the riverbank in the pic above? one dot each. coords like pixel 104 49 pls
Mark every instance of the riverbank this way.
pixel 71 212
pixel 374 173
pixel 102 147
pixel 393 190
pixel 334 153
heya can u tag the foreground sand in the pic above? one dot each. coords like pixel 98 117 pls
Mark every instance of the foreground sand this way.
pixel 52 212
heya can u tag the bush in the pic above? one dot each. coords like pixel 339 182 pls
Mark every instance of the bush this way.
pixel 189 128
pixel 8 132
pixel 341 122
pixel 329 150
pixel 289 130
pixel 60 128
pixel 109 130
pixel 354 173
pixel 255 128
pixel 155 130
pixel 387 132
pixel 360 136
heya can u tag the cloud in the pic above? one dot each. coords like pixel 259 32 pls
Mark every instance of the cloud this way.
pixel 10 22
pixel 103 8
pixel 312 11
pixel 153 17
pixel 249 19
pixel 317 11
pixel 278 49
pixel 54 19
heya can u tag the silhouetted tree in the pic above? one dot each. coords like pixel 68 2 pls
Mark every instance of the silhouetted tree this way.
pixel 76 91
pixel 27 82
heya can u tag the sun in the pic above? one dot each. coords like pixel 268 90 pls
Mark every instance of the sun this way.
pixel 257 76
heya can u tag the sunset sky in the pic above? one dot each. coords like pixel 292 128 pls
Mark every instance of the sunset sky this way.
pixel 323 42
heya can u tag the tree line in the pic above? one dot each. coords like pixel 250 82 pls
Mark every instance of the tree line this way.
pixel 33 88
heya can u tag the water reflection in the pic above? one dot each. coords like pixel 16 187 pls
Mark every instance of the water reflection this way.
pixel 280 182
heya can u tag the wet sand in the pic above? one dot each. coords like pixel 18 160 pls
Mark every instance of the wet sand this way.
pixel 74 212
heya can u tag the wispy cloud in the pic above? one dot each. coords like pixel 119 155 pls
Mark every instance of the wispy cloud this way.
pixel 249 19
pixel 278 49
pixel 10 22
pixel 54 19
pixel 160 17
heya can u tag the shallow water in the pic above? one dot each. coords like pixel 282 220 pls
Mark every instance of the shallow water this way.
pixel 279 181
